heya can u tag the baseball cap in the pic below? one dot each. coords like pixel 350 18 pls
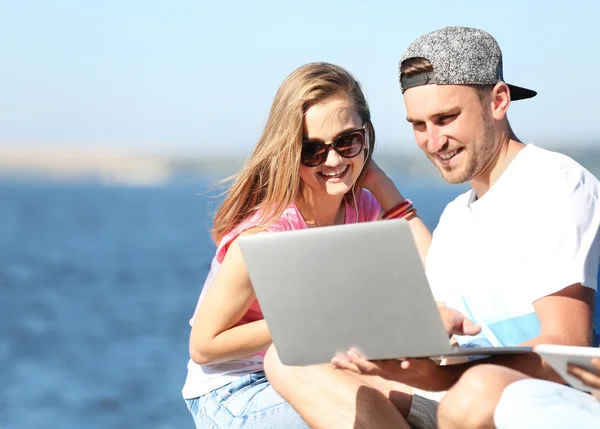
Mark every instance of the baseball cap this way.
pixel 459 56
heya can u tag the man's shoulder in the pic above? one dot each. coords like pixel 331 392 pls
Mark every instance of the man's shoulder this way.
pixel 553 163
pixel 557 173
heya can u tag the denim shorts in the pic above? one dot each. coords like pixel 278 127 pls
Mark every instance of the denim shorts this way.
pixel 249 402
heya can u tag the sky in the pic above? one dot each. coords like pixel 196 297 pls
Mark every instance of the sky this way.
pixel 191 76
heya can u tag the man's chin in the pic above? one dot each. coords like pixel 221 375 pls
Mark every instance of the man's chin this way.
pixel 453 177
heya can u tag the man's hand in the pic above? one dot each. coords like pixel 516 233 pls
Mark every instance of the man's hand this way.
pixel 457 324
pixel 421 373
pixel 589 378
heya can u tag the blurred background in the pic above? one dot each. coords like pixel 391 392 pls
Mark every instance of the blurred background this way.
pixel 118 117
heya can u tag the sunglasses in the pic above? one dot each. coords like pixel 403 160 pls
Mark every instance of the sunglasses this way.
pixel 347 145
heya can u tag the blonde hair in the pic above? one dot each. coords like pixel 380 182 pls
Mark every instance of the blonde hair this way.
pixel 269 181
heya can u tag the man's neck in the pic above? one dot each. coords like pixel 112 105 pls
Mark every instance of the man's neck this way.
pixel 506 153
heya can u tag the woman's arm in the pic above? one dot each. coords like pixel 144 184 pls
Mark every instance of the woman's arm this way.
pixel 214 337
pixel 388 196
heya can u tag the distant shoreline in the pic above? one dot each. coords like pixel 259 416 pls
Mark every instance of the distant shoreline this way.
pixel 120 167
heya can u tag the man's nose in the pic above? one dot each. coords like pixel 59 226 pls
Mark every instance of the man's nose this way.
pixel 435 139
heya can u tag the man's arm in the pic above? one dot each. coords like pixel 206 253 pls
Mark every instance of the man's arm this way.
pixel 565 318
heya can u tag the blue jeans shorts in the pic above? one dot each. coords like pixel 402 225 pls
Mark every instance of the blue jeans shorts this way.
pixel 249 402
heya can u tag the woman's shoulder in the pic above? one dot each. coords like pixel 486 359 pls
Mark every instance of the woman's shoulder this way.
pixel 368 205
pixel 366 197
pixel 289 219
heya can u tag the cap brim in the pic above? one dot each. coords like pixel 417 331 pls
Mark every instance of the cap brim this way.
pixel 520 93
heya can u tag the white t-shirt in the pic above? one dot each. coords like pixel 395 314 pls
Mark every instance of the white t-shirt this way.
pixel 535 232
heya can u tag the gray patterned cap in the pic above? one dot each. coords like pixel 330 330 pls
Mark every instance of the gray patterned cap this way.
pixel 459 56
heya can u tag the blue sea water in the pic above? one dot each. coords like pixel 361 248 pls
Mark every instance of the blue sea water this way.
pixel 97 285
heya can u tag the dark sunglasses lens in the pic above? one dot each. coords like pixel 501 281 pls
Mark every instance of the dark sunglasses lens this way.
pixel 313 154
pixel 350 145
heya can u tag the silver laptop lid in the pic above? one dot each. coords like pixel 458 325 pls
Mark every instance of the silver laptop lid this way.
pixel 324 290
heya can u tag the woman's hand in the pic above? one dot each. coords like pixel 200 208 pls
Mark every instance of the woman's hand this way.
pixel 373 177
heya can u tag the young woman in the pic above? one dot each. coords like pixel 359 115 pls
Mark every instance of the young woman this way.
pixel 310 168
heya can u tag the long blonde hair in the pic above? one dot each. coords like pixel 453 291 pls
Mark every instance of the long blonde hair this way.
pixel 270 181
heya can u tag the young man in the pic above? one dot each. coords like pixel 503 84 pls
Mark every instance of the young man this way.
pixel 518 254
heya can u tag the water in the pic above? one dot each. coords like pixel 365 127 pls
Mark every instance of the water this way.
pixel 97 285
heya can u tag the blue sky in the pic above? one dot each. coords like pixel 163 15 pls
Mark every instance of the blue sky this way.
pixel 197 76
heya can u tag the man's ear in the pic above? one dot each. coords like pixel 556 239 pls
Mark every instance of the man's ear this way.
pixel 500 100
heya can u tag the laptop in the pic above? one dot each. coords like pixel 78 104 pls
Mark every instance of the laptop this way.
pixel 325 290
